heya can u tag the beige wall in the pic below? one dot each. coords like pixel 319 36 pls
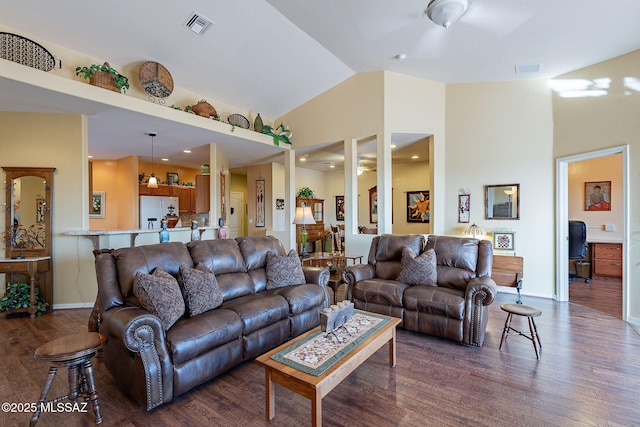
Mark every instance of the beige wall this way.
pixel 60 141
pixel 502 133
pixel 607 168
pixel 583 125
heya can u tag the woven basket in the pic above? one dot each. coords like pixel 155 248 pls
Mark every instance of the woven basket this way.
pixel 104 79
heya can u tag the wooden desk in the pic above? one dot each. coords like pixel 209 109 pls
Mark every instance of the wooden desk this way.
pixel 508 271
pixel 30 266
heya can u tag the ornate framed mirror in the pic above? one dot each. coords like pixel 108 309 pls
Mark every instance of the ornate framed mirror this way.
pixel 502 201
pixel 27 230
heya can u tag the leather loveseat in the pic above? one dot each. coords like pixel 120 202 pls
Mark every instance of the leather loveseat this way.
pixel 454 307
pixel 154 364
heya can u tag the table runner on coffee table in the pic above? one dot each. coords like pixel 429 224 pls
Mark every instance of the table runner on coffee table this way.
pixel 319 351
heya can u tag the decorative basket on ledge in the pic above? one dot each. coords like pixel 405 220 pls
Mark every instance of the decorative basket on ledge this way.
pixel 104 79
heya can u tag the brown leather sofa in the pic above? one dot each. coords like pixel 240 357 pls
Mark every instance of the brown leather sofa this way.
pixel 154 365
pixel 455 309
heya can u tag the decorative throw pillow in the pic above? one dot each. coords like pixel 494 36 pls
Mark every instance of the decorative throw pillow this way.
pixel 159 294
pixel 200 289
pixel 420 270
pixel 284 270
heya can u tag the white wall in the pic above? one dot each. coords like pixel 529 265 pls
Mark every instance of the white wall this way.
pixel 502 133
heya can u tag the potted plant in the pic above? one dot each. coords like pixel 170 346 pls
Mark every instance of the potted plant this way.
pixel 22 238
pixel 280 134
pixel 104 76
pixel 18 296
pixel 306 193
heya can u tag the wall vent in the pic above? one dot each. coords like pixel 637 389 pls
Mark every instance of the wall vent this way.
pixel 198 23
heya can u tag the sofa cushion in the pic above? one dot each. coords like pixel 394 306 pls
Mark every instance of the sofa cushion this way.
pixel 387 252
pixel 200 289
pixel 255 248
pixel 380 291
pixel 159 294
pixel 418 270
pixel 457 259
pixel 258 311
pixel 435 300
pixel 193 336
pixel 284 270
pixel 302 298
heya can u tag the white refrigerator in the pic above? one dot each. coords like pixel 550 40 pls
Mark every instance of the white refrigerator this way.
pixel 154 208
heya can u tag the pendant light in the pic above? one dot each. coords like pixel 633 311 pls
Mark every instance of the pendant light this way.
pixel 153 181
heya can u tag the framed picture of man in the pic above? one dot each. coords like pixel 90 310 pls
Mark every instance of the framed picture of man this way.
pixel 597 196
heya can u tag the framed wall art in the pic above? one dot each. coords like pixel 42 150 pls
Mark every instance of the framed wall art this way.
pixel 597 196
pixel 98 204
pixel 504 240
pixel 464 205
pixel 279 204
pixel 418 206
pixel 40 209
pixel 260 208
pixel 373 205
pixel 223 192
pixel 340 208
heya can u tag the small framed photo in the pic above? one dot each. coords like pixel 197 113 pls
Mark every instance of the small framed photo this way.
pixel 98 204
pixel 597 196
pixel 172 178
pixel 504 240
pixel 464 204
pixel 279 204
pixel 339 208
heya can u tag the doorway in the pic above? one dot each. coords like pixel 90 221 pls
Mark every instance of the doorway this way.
pixel 235 225
pixel 563 216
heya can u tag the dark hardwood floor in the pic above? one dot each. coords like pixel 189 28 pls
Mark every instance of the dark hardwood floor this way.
pixel 589 374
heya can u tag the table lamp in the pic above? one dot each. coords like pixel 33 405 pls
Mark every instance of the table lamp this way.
pixel 474 231
pixel 303 217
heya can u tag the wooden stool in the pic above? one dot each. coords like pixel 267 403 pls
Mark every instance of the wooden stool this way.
pixel 74 352
pixel 530 313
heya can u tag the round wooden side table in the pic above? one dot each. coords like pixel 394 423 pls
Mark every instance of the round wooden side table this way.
pixel 75 353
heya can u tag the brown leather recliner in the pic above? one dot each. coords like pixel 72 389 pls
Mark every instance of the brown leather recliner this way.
pixel 455 309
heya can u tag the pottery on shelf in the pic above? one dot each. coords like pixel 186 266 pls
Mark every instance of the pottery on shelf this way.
pixel 204 109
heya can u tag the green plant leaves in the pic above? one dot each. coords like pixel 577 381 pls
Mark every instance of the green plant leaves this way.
pixel 18 295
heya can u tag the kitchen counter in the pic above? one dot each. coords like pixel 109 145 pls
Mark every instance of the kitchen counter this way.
pixel 94 235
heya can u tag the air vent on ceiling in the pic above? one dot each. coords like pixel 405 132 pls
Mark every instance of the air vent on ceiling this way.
pixel 198 23
pixel 528 68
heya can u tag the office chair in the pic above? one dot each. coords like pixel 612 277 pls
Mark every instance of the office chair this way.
pixel 577 245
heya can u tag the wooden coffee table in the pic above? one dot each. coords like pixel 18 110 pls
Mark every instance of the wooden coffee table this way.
pixel 316 387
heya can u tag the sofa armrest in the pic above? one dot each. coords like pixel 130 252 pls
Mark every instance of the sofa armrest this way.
pixel 143 333
pixel 355 273
pixel 481 290
pixel 320 276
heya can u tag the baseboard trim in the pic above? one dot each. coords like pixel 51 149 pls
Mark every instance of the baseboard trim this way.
pixel 69 306
pixel 514 291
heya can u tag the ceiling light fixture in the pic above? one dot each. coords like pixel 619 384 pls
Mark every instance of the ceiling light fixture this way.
pixel 153 181
pixel 360 170
pixel 446 12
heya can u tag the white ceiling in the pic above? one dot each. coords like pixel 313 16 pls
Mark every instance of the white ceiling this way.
pixel 272 56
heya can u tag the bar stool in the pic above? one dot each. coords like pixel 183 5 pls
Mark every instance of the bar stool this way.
pixel 75 353
pixel 529 313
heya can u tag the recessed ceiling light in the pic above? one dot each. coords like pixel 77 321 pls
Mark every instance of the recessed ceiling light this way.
pixel 303 159
pixel 187 151
pixel 393 145
pixel 91 157
pixel 165 160
pixel 415 156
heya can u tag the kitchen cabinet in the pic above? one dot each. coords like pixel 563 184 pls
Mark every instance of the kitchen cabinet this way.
pixel 202 203
pixel 606 260
pixel 186 195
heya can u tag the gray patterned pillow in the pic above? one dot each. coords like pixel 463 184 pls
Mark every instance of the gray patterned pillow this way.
pixel 200 289
pixel 420 270
pixel 159 294
pixel 284 270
